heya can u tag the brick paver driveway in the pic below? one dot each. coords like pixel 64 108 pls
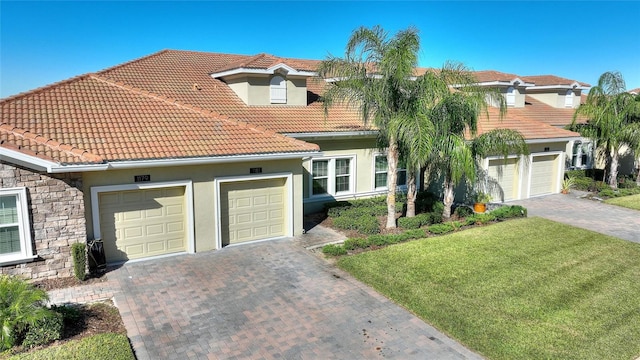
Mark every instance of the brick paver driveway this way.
pixel 588 214
pixel 266 300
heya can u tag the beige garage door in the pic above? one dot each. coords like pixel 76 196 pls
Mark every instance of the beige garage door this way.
pixel 542 175
pixel 254 210
pixel 141 223
pixel 504 172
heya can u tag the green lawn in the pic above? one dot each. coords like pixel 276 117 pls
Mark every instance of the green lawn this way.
pixel 631 202
pixel 520 289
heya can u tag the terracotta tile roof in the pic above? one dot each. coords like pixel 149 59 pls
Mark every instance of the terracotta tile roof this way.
pixel 529 128
pixel 492 75
pixel 173 74
pixel 114 122
pixel 547 80
pixel 166 105
pixel 539 111
pixel 635 91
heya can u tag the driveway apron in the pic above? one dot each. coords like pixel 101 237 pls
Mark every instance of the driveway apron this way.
pixel 589 214
pixel 268 300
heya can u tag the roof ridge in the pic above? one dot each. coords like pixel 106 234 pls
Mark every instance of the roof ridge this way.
pixel 45 87
pixel 133 61
pixel 205 112
pixel 50 143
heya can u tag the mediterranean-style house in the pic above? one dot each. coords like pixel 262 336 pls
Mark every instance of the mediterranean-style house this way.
pixel 183 152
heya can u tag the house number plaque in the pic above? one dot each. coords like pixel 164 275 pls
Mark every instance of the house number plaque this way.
pixel 141 178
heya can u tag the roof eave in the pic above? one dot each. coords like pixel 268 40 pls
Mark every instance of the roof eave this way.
pixel 269 71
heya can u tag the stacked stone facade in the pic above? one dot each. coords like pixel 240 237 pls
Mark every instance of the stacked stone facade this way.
pixel 56 218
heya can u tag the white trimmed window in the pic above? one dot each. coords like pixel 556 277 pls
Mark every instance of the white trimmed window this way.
pixel 568 99
pixel 381 169
pixel 332 176
pixel 278 90
pixel 582 155
pixel 15 232
pixel 511 96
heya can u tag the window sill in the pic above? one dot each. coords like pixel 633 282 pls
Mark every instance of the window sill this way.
pixel 13 260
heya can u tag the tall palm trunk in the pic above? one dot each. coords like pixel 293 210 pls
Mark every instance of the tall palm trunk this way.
pixel 613 171
pixel 638 176
pixel 448 196
pixel 392 181
pixel 411 191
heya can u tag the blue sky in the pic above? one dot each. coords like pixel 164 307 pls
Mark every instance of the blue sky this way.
pixel 45 42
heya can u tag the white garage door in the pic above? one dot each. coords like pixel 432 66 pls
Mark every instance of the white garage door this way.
pixel 504 172
pixel 254 210
pixel 542 175
pixel 142 223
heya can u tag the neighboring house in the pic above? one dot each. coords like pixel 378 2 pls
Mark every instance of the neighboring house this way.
pixel 182 152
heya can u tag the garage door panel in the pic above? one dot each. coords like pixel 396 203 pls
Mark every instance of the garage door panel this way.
pixel 542 179
pixel 256 210
pixel 153 224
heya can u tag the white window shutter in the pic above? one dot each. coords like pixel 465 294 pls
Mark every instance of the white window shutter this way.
pixel 278 88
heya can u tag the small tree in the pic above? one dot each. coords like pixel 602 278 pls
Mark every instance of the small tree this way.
pixel 614 120
pixel 21 305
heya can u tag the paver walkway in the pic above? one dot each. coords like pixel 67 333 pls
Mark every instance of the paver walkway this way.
pixel 589 214
pixel 268 300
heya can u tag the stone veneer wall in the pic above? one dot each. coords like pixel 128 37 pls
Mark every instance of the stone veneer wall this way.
pixel 56 216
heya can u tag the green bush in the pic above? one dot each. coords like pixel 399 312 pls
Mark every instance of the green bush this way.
pixel 463 211
pixel 356 243
pixel 334 250
pixel 44 331
pixel 366 224
pixel 506 212
pixel 583 183
pixel 79 255
pixel 414 234
pixel 440 228
pixel 21 304
pixel 97 347
pixel 484 218
pixel 436 214
pixel 425 201
pixel 576 174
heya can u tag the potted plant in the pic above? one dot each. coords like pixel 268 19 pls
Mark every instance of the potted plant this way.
pixel 482 199
pixel 567 183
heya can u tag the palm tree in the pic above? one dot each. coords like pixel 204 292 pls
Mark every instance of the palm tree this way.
pixel 614 120
pixel 374 77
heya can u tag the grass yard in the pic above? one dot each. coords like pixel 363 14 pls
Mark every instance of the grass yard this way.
pixel 631 202
pixel 520 289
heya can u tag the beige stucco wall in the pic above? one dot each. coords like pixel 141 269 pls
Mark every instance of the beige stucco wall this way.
pixel 363 150
pixel 520 93
pixel 555 98
pixel 255 90
pixel 204 200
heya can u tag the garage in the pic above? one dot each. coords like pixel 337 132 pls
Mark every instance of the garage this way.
pixel 504 173
pixel 543 175
pixel 253 210
pixel 142 223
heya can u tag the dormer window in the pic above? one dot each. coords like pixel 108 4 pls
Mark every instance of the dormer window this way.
pixel 278 90
pixel 568 99
pixel 511 96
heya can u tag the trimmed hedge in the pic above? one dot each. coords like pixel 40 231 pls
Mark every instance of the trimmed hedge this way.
pixel 440 228
pixel 366 224
pixel 506 212
pixel 373 240
pixel 97 347
pixel 463 211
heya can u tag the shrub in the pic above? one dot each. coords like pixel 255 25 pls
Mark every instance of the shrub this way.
pixel 463 211
pixel 583 183
pixel 425 202
pixel 484 218
pixel 101 346
pixel 576 174
pixel 44 331
pixel 21 304
pixel 506 212
pixel 414 234
pixel 334 250
pixel 79 255
pixel 366 224
pixel 436 213
pixel 356 243
pixel 440 228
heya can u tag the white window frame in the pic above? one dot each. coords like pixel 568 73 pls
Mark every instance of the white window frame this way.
pixel 26 249
pixel 331 176
pixel 278 90
pixel 568 99
pixel 511 96
pixel 576 156
pixel 373 180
